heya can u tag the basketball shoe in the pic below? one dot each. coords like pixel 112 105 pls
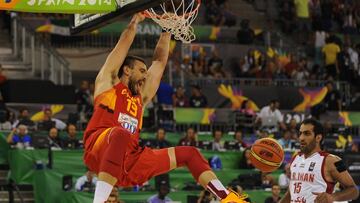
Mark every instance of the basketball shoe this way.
pixel 234 197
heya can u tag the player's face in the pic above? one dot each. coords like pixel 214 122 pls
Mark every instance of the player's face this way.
pixel 137 77
pixel 307 138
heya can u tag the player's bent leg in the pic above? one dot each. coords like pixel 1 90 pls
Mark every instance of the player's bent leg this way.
pixel 199 168
pixel 111 163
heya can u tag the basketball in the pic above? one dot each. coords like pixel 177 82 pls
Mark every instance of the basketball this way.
pixel 266 154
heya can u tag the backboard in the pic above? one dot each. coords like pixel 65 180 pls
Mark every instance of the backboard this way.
pixel 83 23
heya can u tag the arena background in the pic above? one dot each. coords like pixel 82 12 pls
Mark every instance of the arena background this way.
pixel 246 50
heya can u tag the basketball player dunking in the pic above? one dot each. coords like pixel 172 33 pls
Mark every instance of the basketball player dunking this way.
pixel 123 87
pixel 314 172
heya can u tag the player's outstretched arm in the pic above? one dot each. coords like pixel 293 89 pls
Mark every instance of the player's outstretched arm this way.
pixel 338 172
pixel 286 198
pixel 157 68
pixel 108 73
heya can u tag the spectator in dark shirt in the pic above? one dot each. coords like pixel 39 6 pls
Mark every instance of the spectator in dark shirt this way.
pixel 24 119
pixel 164 94
pixel 48 122
pixel 197 99
pixel 245 162
pixel 161 141
pixel 245 35
pixel 332 99
pixel 71 142
pixel 189 139
pixel 19 136
pixel 275 198
pixel 238 137
pixel 54 138
pixel 83 99
pixel 179 98
pixel 3 78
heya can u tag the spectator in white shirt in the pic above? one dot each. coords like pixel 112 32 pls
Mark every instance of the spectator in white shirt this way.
pixel 270 116
pixel 284 178
pixel 86 182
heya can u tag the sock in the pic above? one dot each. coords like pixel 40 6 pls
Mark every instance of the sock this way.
pixel 102 191
pixel 217 188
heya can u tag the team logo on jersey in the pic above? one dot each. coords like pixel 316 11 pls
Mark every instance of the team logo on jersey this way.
pixel 128 122
pixel 312 166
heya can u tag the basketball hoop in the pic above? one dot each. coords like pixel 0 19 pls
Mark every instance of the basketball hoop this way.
pixel 175 17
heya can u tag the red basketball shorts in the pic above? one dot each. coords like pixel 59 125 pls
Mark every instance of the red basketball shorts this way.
pixel 139 164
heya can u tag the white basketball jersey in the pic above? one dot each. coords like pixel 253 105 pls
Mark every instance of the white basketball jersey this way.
pixel 307 176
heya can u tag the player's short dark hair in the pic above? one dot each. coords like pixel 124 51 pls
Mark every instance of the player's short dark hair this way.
pixel 129 61
pixel 318 127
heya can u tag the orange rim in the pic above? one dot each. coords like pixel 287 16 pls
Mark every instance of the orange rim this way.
pixel 147 15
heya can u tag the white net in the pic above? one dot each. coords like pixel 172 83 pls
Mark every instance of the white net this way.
pixel 176 18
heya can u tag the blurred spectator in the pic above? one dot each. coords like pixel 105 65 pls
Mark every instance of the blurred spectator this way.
pixel 303 19
pixel 55 141
pixel 197 99
pixel 320 37
pixel 284 178
pixel 189 139
pixel 267 180
pixel 245 162
pixel 270 116
pixel 206 197
pixel 245 35
pixel 213 14
pixel 71 141
pixel 218 144
pixel 246 108
pixel 19 137
pixel 286 142
pixel 161 197
pixel 164 94
pixel 332 99
pixel 238 136
pixel 292 66
pixel 86 182
pixel 179 98
pixel 24 119
pixel 240 191
pixel 3 77
pixel 49 122
pixel 263 133
pixel 83 100
pixel 161 141
pixel 215 62
pixel 275 198
pixel 114 196
pixel 286 16
pixel 293 126
pixel 330 51
pixel 301 73
pixel 354 147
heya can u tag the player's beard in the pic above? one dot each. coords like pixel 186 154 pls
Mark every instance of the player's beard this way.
pixel 307 149
pixel 135 85
pixel 132 86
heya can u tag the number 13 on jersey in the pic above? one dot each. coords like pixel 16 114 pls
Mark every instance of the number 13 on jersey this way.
pixel 132 108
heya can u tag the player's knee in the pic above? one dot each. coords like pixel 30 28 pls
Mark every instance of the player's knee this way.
pixel 185 154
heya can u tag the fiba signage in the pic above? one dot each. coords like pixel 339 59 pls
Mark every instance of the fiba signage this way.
pixel 68 2
pixel 59 6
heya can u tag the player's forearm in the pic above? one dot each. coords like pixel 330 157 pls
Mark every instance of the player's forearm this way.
pixel 127 36
pixel 350 193
pixel 162 49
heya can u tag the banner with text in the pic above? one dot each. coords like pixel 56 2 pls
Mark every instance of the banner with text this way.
pixel 59 6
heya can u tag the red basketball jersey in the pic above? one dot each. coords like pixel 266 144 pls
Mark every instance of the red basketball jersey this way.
pixel 115 107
